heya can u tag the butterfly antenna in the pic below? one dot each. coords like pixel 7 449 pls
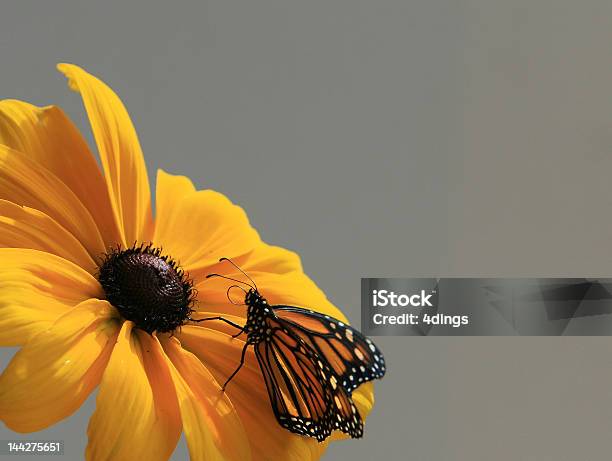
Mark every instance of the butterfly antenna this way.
pixel 230 299
pixel 243 272
pixel 229 278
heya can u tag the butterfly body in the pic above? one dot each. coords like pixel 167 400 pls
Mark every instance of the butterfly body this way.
pixel 258 312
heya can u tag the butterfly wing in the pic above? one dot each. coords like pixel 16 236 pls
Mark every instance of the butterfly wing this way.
pixel 353 357
pixel 302 398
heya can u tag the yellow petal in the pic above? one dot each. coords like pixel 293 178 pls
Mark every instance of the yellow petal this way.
pixel 262 258
pixel 273 259
pixel 52 375
pixel 120 153
pixel 175 187
pixel 247 392
pixel 25 182
pixel 36 288
pixel 23 227
pixel 364 398
pixel 197 228
pixel 47 136
pixel 210 422
pixel 137 414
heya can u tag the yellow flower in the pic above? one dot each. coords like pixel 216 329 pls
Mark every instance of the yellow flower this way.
pixel 63 224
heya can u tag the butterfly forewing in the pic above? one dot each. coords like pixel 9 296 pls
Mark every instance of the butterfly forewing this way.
pixel 353 357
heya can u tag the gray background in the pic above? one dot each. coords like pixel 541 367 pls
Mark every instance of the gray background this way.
pixel 382 138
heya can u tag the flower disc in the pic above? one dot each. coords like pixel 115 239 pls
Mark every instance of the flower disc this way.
pixel 147 288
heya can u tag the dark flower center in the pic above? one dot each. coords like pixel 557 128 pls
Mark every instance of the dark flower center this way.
pixel 147 288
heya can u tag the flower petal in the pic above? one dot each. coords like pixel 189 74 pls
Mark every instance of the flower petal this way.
pixel 120 153
pixel 36 288
pixel 273 259
pixel 247 392
pixel 52 375
pixel 137 414
pixel 262 258
pixel 170 189
pixel 197 228
pixel 23 227
pixel 25 182
pixel 48 137
pixel 210 422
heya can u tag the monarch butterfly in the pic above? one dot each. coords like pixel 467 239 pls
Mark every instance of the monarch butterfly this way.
pixel 310 362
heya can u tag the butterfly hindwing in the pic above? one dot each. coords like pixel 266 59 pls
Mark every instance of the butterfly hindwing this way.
pixel 303 391
pixel 353 357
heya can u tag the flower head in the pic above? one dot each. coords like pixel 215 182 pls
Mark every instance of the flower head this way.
pixel 99 293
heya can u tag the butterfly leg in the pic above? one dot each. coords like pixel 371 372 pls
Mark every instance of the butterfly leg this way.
pixel 237 369
pixel 223 319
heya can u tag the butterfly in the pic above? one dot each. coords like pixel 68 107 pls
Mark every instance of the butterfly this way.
pixel 310 362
